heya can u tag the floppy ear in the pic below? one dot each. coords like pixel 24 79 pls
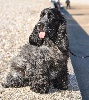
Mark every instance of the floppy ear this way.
pixel 62 39
pixel 34 38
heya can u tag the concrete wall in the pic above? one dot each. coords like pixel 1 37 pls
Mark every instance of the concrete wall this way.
pixel 77 1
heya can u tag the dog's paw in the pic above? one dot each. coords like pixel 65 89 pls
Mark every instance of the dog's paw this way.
pixel 4 85
pixel 64 88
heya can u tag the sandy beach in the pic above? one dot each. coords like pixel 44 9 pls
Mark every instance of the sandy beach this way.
pixel 17 19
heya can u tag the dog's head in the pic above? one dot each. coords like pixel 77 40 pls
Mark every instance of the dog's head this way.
pixel 49 21
pixel 50 24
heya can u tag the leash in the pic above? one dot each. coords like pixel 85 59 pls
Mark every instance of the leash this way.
pixel 77 55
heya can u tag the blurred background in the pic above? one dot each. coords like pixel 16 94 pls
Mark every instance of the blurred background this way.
pixel 77 1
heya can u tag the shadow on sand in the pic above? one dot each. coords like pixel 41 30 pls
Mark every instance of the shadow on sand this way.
pixel 79 45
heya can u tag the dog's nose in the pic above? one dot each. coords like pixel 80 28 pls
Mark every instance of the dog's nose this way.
pixel 40 26
pixel 40 23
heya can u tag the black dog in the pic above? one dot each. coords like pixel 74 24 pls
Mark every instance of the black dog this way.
pixel 43 61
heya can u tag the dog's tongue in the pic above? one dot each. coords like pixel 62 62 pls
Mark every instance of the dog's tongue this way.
pixel 41 34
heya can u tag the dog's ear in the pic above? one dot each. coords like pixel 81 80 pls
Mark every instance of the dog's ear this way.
pixel 34 38
pixel 62 39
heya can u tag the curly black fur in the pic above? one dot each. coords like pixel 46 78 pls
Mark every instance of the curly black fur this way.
pixel 43 61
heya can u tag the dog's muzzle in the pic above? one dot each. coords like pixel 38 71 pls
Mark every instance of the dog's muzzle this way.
pixel 40 27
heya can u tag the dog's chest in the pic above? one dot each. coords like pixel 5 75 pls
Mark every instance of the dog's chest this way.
pixel 49 43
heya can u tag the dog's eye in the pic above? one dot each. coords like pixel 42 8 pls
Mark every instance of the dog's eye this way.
pixel 42 14
pixel 50 15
